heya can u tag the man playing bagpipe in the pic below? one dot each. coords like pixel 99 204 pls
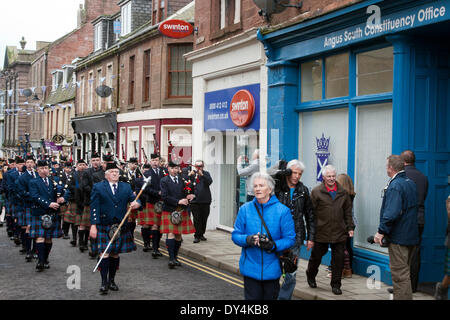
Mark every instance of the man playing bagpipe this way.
pixel 175 219
pixel 109 201
pixel 47 197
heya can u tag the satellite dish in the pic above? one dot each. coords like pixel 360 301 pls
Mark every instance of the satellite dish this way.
pixel 27 93
pixel 103 91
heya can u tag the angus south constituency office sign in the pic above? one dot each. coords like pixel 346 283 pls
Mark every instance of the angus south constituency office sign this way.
pixel 232 109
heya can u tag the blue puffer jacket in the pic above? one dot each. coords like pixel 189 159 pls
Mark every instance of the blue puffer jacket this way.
pixel 398 216
pixel 256 263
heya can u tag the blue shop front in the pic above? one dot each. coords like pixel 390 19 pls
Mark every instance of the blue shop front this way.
pixel 355 85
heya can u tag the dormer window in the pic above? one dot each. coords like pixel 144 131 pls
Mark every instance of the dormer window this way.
pixel 57 77
pixel 98 36
pixel 126 19
pixel 67 74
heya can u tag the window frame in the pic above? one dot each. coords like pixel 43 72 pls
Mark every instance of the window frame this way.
pixel 125 13
pixel 146 76
pixel 131 79
pixel 170 72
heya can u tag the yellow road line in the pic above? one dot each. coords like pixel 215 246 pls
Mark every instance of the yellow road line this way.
pixel 203 268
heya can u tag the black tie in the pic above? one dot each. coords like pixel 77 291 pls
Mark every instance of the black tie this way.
pixel 46 182
pixel 175 180
pixel 115 188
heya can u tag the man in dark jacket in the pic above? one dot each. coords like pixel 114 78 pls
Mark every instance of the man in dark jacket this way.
pixel 200 206
pixel 398 223
pixel 291 192
pixel 421 182
pixel 334 223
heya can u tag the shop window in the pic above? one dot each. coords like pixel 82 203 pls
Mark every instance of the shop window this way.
pixel 311 80
pixel 373 146
pixel 374 71
pixel 336 75
pixel 133 143
pixel 180 71
pixel 148 142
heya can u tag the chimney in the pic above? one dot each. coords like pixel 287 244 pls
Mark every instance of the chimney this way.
pixel 81 16
pixel 23 43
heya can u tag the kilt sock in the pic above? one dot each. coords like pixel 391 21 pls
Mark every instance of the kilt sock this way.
pixel 145 232
pixel 23 237
pixel 74 232
pixel 177 247
pixel 40 247
pixel 171 248
pixel 104 269
pixel 28 243
pixel 65 228
pixel 48 248
pixel 81 237
pixel 156 237
pixel 113 267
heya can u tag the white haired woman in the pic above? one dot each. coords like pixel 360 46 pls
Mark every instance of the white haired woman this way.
pixel 259 263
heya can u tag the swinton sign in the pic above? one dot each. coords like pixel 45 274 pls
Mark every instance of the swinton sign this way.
pixel 176 28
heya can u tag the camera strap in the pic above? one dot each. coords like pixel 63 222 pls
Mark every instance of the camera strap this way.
pixel 265 226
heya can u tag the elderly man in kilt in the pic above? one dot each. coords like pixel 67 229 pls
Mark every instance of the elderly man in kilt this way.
pixel 47 197
pixel 175 199
pixel 109 201
pixel 23 189
pixel 148 218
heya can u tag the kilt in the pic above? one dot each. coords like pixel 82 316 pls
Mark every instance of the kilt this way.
pixel 24 217
pixel 148 216
pixel 28 216
pixel 123 244
pixel 185 227
pixel 20 215
pixel 86 217
pixel 36 231
pixel 447 263
pixel 70 214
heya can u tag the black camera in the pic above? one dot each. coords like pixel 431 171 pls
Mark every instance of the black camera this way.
pixel 263 238
pixel 384 242
pixel 283 170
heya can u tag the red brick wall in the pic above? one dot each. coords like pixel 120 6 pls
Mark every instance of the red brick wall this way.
pixel 95 8
pixel 207 17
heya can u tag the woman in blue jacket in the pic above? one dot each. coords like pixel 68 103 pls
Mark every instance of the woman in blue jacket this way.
pixel 259 263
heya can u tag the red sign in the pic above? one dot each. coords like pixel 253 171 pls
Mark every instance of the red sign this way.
pixel 242 108
pixel 176 28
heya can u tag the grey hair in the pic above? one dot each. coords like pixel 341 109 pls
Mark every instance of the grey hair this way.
pixel 296 163
pixel 328 168
pixel 269 180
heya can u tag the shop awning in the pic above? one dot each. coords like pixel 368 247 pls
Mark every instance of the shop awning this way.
pixel 101 123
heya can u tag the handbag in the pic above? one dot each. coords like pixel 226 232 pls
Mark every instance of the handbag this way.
pixel 175 217
pixel 158 207
pixel 288 260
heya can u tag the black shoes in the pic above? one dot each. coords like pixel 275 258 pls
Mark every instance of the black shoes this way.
pixel 47 265
pixel 172 264
pixel 146 247
pixel 40 267
pixel 203 238
pixel 390 290
pixel 311 281
pixel 28 257
pixel 113 286
pixel 156 254
pixel 104 288
pixel 177 263
pixel 196 240
pixel 336 290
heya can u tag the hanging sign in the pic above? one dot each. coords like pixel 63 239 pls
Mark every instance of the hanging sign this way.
pixel 176 28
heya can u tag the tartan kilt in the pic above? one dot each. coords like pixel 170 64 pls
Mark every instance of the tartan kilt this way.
pixel 28 216
pixel 20 215
pixel 133 215
pixel 86 217
pixel 70 213
pixel 36 230
pixel 12 209
pixel 123 244
pixel 185 227
pixel 148 216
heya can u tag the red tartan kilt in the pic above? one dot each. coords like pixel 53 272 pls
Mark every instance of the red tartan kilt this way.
pixel 148 216
pixel 185 227
pixel 70 213
pixel 86 217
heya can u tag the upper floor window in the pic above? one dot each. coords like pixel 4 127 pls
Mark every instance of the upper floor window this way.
pixel 230 12
pixel 98 45
pixel 68 75
pixel 57 77
pixel 180 71
pixel 131 81
pixel 126 19
pixel 146 74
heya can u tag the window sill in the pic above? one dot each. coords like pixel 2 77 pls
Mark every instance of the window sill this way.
pixel 177 101
pixel 227 30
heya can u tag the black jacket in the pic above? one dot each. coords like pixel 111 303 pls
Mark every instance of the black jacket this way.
pixel 201 189
pixel 421 182
pixel 171 193
pixel 301 210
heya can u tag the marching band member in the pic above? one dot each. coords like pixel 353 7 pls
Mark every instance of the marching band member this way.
pixel 175 199
pixel 109 200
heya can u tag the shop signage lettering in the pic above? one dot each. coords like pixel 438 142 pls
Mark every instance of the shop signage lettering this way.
pixel 377 25
pixel 176 28
pixel 231 109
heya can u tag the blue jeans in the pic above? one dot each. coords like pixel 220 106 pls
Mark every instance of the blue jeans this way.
pixel 288 286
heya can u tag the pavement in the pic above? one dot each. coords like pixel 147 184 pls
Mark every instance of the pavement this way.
pixel 219 251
